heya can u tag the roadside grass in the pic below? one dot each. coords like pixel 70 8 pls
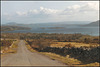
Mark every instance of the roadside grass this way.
pixel 66 60
pixel 12 48
pixel 1 47
pixel 93 64
pixel 29 47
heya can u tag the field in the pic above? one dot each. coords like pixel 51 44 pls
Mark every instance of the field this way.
pixel 71 49
pixel 71 61
pixel 73 44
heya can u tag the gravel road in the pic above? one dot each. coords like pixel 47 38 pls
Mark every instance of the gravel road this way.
pixel 24 57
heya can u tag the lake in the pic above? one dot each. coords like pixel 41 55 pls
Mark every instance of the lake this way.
pixel 67 29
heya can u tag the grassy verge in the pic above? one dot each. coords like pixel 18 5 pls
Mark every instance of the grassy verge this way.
pixel 67 60
pixel 12 48
pixel 29 47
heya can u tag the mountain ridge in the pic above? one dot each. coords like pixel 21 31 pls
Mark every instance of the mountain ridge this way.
pixel 93 24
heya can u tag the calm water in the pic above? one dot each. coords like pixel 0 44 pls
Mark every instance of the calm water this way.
pixel 68 29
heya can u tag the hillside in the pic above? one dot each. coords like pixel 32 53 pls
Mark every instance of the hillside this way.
pixel 93 24
pixel 11 28
pixel 48 24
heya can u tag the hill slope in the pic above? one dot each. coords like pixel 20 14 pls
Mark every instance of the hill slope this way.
pixel 11 28
pixel 93 24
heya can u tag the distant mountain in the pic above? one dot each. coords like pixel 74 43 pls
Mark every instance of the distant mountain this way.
pixel 93 24
pixel 55 24
pixel 12 28
pixel 11 23
pixel 15 24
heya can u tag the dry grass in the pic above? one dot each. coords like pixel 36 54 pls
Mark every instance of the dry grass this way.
pixel 67 60
pixel 74 44
pixel 1 47
pixel 29 47
pixel 12 48
pixel 93 64
pixel 10 51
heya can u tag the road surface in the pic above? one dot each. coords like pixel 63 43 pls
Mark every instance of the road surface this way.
pixel 24 57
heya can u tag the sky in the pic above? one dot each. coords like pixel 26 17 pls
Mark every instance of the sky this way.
pixel 48 11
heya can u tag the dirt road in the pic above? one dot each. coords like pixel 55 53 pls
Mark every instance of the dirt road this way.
pixel 24 57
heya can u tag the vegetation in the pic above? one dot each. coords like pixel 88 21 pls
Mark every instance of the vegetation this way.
pixel 68 60
pixel 8 46
pixel 70 55
pixel 29 47
pixel 73 44
pixel 5 43
pixel 79 38
pixel 72 49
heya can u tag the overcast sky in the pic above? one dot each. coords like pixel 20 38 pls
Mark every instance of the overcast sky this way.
pixel 49 11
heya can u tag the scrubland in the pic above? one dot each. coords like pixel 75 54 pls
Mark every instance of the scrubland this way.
pixel 71 49
pixel 8 46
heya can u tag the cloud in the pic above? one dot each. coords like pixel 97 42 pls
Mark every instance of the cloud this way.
pixel 42 11
pixel 48 11
pixel 21 13
pixel 90 7
pixel 69 10
pixel 35 11
pixel 73 7
pixel 86 11
pixel 84 8
pixel 91 4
